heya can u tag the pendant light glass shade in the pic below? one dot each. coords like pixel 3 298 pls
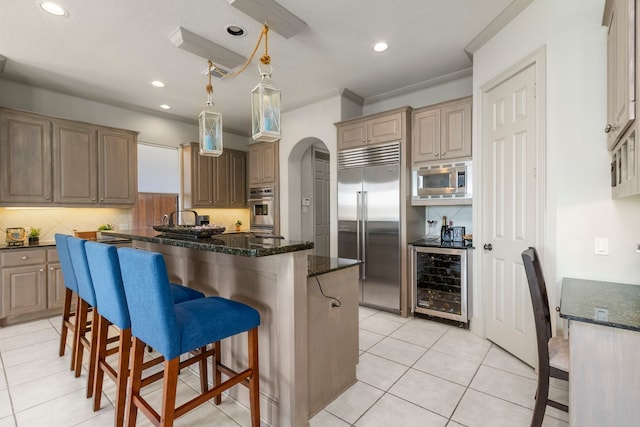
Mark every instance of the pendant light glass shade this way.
pixel 210 131
pixel 265 110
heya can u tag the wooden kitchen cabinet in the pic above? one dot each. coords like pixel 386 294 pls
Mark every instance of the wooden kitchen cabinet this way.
pixel 619 17
pixel 263 163
pixel 25 159
pixel 55 162
pixel 213 182
pixel 442 132
pixel 24 281
pixel 376 129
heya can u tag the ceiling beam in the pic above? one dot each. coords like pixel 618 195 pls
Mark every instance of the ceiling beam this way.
pixel 277 17
pixel 219 55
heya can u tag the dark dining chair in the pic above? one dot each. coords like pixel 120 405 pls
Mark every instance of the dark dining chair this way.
pixel 553 352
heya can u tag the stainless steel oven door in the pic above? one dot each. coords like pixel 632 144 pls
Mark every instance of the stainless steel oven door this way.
pixel 261 213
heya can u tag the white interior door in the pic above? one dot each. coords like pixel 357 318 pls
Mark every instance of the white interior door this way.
pixel 510 210
pixel 321 195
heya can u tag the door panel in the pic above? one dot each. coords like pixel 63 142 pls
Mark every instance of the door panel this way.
pixel 321 204
pixel 510 207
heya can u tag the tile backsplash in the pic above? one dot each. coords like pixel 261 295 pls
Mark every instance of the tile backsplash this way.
pixel 62 220
pixel 460 215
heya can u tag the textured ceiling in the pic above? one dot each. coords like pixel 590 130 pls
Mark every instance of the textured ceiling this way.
pixel 111 50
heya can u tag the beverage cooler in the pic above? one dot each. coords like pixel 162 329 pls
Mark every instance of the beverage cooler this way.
pixel 440 278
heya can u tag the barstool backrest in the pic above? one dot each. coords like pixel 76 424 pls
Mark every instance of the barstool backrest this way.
pixel 81 269
pixel 107 283
pixel 151 306
pixel 69 275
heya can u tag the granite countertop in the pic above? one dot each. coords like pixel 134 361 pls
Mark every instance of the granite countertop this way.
pixel 436 243
pixel 49 243
pixel 322 264
pixel 583 299
pixel 242 244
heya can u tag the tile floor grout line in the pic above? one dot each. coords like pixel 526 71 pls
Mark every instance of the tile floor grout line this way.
pixel 6 382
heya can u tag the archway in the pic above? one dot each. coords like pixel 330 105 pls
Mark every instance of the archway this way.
pixel 303 200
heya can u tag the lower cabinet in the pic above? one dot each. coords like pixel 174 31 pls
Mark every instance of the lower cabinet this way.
pixel 31 283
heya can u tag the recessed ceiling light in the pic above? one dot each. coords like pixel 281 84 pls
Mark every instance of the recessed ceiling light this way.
pixel 380 47
pixel 165 107
pixel 157 83
pixel 235 30
pixel 53 8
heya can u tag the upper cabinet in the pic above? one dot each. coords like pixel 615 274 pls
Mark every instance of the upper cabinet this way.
pixel 213 182
pixel 53 162
pixel 442 132
pixel 376 129
pixel 263 163
pixel 619 17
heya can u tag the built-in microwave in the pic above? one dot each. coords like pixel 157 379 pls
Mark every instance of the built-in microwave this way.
pixel 442 182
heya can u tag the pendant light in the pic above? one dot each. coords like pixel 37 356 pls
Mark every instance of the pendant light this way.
pixel 265 101
pixel 210 125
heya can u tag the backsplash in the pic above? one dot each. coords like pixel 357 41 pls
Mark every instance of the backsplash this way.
pixel 227 217
pixel 62 220
pixel 460 215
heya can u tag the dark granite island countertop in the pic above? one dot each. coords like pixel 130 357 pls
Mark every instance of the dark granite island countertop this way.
pixel 322 264
pixel 604 303
pixel 242 244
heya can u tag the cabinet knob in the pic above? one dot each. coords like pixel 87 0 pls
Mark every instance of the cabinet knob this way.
pixel 25 257
pixel 609 128
pixel 41 270
pixel 435 154
pixel 93 199
pixel 443 153
pixel 47 197
pixel 51 268
pixel 102 199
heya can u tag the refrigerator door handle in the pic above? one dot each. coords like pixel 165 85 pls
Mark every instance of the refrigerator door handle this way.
pixel 358 212
pixel 363 205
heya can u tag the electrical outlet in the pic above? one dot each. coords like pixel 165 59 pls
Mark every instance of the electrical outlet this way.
pixel 601 314
pixel 123 226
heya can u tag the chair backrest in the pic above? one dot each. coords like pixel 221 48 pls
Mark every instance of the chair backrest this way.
pixel 107 283
pixel 64 257
pixel 81 269
pixel 151 307
pixel 540 302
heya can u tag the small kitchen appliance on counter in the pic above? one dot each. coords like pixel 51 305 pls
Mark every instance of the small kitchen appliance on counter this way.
pixel 16 236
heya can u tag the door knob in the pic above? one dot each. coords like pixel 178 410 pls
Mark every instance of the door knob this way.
pixel 487 246
pixel 609 128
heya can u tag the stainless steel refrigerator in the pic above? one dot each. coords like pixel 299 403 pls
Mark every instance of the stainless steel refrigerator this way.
pixel 369 220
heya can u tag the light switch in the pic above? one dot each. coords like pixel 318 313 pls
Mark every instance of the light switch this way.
pixel 306 201
pixel 601 246
pixel 601 314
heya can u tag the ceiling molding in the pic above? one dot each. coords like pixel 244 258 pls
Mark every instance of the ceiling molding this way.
pixel 419 86
pixel 279 19
pixel 496 25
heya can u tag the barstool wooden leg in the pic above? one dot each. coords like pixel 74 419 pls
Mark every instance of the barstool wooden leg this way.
pixel 101 329
pixel 123 375
pixel 92 353
pixel 81 329
pixel 66 316
pixel 217 375
pixel 204 374
pixel 169 391
pixel 254 381
pixel 135 382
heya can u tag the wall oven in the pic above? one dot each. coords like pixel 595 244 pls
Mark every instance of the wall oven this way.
pixel 261 210
pixel 440 278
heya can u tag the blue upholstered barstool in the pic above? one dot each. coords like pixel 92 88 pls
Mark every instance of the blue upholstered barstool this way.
pixel 71 286
pixel 175 329
pixel 112 309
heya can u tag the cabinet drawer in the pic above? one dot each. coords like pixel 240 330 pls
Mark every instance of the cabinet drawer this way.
pixel 17 257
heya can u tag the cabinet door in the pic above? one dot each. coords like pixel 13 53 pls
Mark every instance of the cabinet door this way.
pixel 25 159
pixel 23 290
pixel 75 167
pixel 352 135
pixel 202 181
pixel 455 133
pixel 55 286
pixel 117 167
pixel 220 183
pixel 624 159
pixel 269 165
pixel 426 136
pixel 620 69
pixel 384 129
pixel 238 179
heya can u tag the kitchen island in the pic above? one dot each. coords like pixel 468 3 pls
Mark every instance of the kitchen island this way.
pixel 604 342
pixel 271 275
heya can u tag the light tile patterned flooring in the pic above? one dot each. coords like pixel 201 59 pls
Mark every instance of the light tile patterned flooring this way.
pixel 412 372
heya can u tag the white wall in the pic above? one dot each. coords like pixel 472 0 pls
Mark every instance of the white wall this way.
pixel 578 203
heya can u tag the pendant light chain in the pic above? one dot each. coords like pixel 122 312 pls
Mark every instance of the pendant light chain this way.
pixel 209 87
pixel 265 59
